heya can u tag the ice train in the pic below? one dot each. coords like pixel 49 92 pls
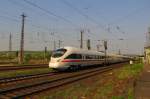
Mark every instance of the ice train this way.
pixel 74 58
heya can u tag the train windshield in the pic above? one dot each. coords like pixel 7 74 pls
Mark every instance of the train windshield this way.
pixel 58 53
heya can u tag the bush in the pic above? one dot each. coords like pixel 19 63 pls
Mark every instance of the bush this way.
pixel 27 58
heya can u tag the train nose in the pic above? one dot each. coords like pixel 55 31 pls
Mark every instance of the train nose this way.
pixel 53 65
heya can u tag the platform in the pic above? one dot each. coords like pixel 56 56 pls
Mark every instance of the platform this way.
pixel 142 85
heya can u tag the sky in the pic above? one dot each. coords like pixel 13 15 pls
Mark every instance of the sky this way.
pixel 123 23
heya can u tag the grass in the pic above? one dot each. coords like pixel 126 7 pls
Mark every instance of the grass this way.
pixel 75 92
pixel 102 92
pixel 130 71
pixel 29 56
pixel 81 91
pixel 100 88
pixel 118 97
pixel 129 95
pixel 23 72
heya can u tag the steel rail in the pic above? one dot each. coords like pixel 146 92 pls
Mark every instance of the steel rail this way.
pixel 11 68
pixel 23 91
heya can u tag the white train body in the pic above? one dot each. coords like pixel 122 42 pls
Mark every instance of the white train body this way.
pixel 69 57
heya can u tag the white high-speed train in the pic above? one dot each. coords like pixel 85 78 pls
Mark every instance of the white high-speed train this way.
pixel 74 58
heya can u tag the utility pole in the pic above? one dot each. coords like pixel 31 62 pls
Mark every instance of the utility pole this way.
pixel 97 46
pixel 10 46
pixel 10 43
pixel 45 52
pixel 81 41
pixel 22 40
pixel 59 43
pixel 105 47
pixel 119 52
pixel 88 44
pixel 54 45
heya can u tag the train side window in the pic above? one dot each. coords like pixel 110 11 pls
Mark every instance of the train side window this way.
pixel 87 57
pixel 83 56
pixel 97 57
pixel 102 57
pixel 79 56
pixel 93 56
pixel 74 56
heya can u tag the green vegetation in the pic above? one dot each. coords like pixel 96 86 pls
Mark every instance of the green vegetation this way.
pixel 23 72
pixel 30 57
pixel 27 58
pixel 6 56
pixel 115 87
pixel 103 91
pixel 38 54
pixel 118 97
pixel 130 71
pixel 129 95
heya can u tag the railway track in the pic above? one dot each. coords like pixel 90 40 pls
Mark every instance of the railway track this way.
pixel 10 68
pixel 43 83
pixel 2 63
pixel 25 77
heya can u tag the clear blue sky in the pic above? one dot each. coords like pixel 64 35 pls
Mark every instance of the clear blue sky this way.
pixel 100 19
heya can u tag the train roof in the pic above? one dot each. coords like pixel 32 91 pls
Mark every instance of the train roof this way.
pixel 83 51
pixel 119 55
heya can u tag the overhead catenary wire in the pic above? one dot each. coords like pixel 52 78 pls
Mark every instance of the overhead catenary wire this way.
pixel 27 8
pixel 44 10
pixel 9 18
pixel 45 28
pixel 49 12
pixel 83 14
pixel 88 17
pixel 34 26
pixel 31 3
pixel 16 20
pixel 29 20
pixel 121 19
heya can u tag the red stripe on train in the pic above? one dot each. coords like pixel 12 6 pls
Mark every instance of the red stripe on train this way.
pixel 68 60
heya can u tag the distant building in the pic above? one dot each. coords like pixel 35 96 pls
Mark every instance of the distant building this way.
pixel 147 48
pixel 147 54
